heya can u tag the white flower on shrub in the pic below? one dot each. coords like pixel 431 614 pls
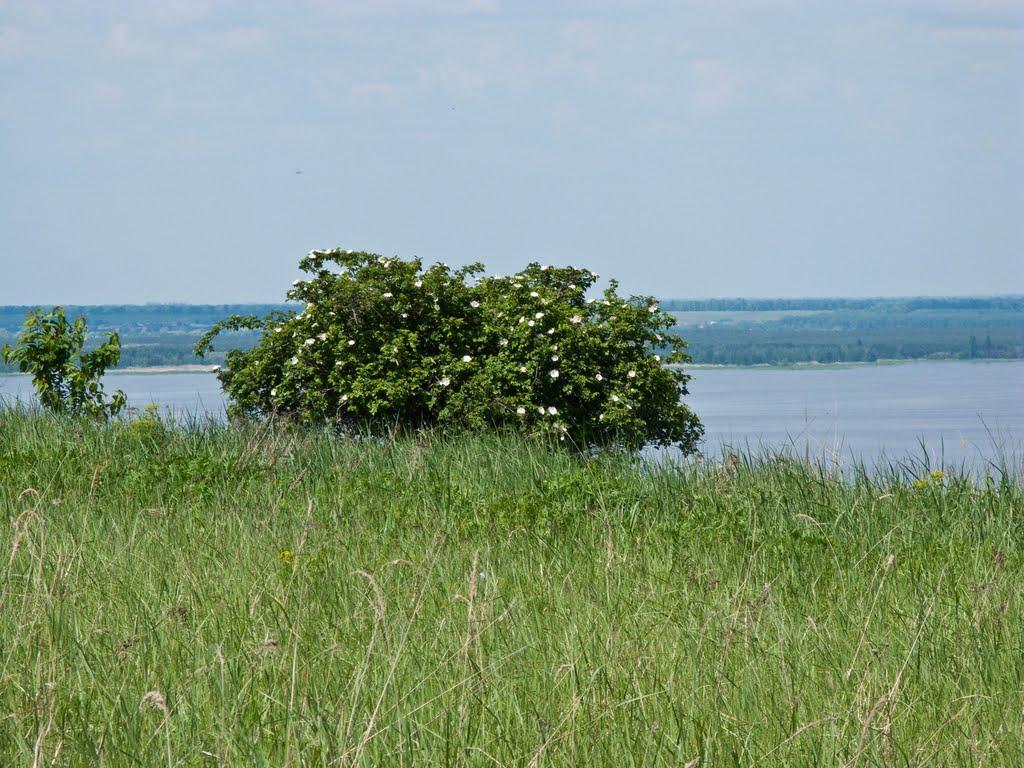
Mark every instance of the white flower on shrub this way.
pixel 388 295
pixel 541 410
pixel 296 282
pixel 544 268
pixel 576 320
pixel 520 410
pixel 273 392
pixel 539 315
pixel 351 342
pixel 550 331
pixel 534 294
pixel 554 358
pixel 530 323
pixel 467 359
pixel 445 381
pixel 321 336
pixel 653 308
pixel 599 377
pixel 344 398
pixel 615 398
pixel 631 374
pixel 474 304
pixel 294 361
pixel 418 283
pixel 552 410
pixel 553 373
pixel 503 342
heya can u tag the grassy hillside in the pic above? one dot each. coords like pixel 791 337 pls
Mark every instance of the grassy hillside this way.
pixel 214 597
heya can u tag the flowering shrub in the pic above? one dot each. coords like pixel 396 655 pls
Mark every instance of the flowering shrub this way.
pixel 383 342
pixel 66 378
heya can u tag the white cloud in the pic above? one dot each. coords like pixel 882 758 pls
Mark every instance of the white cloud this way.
pixel 716 84
pixel 181 11
pixel 10 41
pixel 122 40
pixel 404 7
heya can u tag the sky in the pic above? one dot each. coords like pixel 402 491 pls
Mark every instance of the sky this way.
pixel 195 150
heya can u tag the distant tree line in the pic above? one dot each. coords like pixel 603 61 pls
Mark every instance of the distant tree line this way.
pixel 839 330
pixel 143 317
pixel 768 347
pixel 911 304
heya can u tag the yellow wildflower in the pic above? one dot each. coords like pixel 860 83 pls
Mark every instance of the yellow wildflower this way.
pixel 938 474
pixel 919 484
pixel 285 555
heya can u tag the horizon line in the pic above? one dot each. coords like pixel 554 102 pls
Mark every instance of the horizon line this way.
pixel 865 297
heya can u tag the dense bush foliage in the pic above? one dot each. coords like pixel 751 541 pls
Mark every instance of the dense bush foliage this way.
pixel 383 342
pixel 66 378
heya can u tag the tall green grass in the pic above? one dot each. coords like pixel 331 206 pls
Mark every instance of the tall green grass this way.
pixel 214 596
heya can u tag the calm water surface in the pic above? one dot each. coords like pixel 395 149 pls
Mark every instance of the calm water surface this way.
pixel 960 411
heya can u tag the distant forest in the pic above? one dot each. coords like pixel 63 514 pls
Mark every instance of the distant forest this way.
pixel 153 334
pixel 719 331
pixel 906 304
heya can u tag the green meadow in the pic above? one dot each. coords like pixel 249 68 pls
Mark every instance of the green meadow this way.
pixel 214 596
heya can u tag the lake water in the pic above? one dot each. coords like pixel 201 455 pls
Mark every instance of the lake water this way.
pixel 961 412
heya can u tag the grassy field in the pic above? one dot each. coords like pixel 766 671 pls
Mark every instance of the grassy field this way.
pixel 193 597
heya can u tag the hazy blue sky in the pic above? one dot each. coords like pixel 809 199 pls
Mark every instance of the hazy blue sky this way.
pixel 148 151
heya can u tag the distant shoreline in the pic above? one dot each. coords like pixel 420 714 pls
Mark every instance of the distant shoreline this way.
pixel 849 363
pixel 195 368
pixel 188 368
